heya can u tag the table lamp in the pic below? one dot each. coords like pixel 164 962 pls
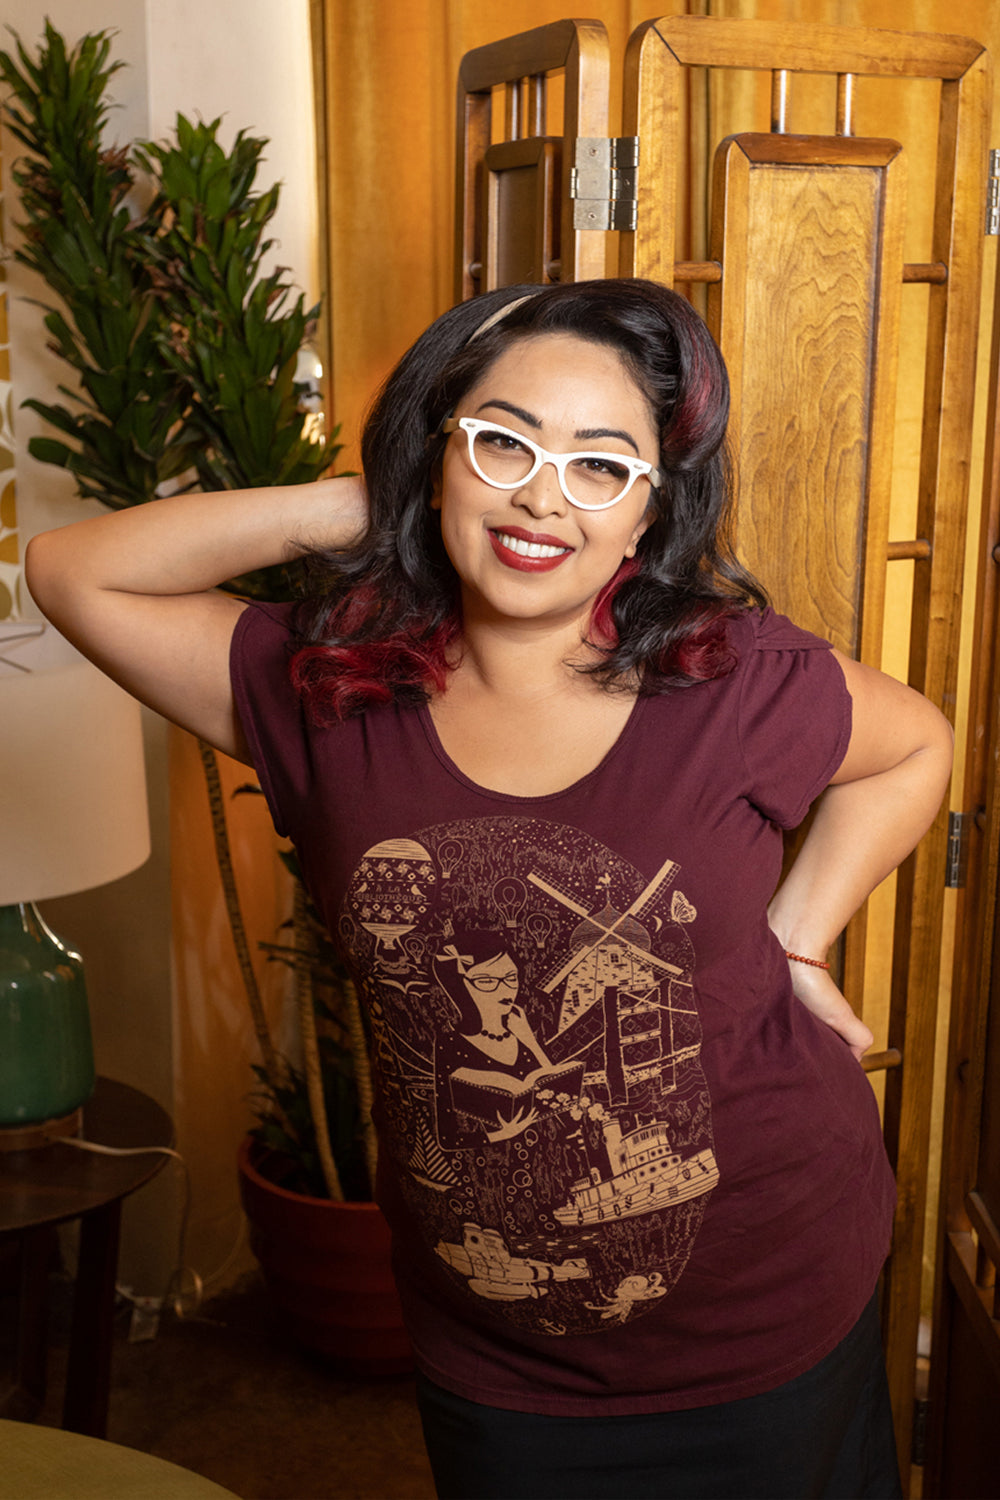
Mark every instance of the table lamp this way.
pixel 73 815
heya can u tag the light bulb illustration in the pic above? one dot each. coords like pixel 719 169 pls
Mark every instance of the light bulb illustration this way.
pixel 510 894
pixel 449 854
pixel 539 925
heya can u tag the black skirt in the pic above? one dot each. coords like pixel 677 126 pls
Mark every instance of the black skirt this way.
pixel 826 1434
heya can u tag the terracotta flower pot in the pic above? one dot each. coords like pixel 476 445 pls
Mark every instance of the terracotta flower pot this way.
pixel 327 1266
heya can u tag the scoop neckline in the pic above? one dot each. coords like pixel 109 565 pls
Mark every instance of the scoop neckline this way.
pixel 614 750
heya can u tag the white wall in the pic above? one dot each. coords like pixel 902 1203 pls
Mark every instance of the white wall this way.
pixel 248 60
pixel 122 930
pixel 46 496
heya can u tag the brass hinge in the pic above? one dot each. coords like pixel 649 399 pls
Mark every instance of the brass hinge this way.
pixel 993 195
pixel 602 182
pixel 957 856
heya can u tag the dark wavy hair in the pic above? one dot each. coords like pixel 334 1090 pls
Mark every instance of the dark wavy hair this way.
pixel 473 948
pixel 383 614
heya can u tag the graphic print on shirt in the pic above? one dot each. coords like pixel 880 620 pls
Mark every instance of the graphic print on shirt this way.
pixel 537 1048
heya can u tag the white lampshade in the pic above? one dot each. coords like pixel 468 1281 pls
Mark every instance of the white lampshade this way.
pixel 73 812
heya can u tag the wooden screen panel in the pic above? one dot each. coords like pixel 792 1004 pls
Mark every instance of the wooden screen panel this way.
pixel 808 236
pixel 949 399
pixel 808 232
pixel 660 53
pixel 520 219
pixel 969 1463
pixel 963 1447
pixel 514 214
pixel 963 1437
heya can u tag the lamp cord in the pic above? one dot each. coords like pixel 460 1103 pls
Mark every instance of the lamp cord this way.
pixel 175 1294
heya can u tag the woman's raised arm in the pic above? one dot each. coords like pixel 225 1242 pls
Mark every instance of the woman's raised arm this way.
pixel 135 590
pixel 882 800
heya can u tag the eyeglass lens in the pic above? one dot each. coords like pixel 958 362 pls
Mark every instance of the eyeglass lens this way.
pixel 488 982
pixel 592 479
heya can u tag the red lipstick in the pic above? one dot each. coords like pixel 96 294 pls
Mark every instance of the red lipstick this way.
pixel 522 561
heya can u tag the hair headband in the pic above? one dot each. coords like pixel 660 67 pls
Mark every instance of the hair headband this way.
pixel 500 313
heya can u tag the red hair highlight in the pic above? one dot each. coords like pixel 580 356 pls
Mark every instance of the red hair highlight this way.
pixel 602 619
pixel 702 654
pixel 695 417
pixel 338 681
pixel 705 653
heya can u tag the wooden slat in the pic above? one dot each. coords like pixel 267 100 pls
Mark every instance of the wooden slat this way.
pixel 977 901
pixel 651 109
pixel 819 151
pixel 544 49
pixel 919 550
pixel 878 1062
pixel 987 1229
pixel 737 43
pixel 585 114
pixel 697 270
pixel 473 140
pixel 932 272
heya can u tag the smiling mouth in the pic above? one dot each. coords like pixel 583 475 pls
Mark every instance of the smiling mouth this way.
pixel 522 548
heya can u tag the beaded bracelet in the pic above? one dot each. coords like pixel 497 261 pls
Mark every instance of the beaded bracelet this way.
pixel 814 963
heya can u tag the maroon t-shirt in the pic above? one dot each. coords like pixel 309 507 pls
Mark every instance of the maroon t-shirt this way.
pixel 625 1169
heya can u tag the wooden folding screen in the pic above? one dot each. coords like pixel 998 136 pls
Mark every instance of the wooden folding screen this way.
pixel 515 218
pixel 807 316
pixel 963 1434
pixel 806 278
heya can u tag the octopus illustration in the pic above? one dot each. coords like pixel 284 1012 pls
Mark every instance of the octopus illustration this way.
pixel 630 1291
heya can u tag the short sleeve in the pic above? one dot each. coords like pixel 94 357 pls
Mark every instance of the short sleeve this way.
pixel 794 717
pixel 270 711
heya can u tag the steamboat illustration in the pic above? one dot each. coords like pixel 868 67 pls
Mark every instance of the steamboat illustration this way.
pixel 645 1174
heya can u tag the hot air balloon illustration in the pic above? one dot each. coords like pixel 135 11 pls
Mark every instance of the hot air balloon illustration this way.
pixel 383 902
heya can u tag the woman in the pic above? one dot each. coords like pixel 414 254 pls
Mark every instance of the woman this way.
pixel 492 1074
pixel 534 693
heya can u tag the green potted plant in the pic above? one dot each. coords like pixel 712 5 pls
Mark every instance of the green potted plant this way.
pixel 185 354
pixel 307 1171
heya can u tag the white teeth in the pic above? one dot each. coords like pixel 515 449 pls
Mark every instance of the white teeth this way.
pixel 528 549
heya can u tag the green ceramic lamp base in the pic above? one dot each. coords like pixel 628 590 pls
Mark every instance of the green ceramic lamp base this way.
pixel 46 1056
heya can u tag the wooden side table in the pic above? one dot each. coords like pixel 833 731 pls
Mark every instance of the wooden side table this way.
pixel 56 1183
